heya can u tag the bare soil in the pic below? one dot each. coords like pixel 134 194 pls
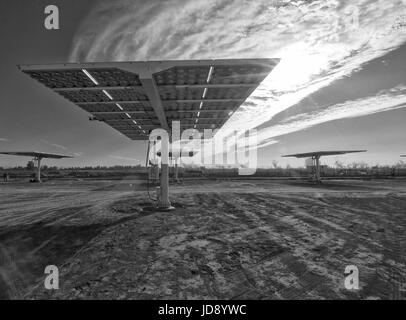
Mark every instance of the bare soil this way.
pixel 253 239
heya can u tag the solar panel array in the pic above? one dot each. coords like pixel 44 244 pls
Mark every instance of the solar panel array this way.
pixel 322 153
pixel 200 94
pixel 36 154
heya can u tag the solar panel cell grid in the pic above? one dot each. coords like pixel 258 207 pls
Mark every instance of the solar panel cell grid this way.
pixel 115 77
pixel 181 94
pixel 128 95
pixel 228 93
pixel 114 108
pixel 182 76
pixel 195 93
pixel 239 74
pixel 124 125
pixel 220 105
pixel 62 78
pixel 84 96
pixel 179 106
pixel 123 116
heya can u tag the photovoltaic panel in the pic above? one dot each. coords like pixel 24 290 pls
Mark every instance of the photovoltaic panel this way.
pixel 112 107
pixel 190 75
pixel 36 154
pixel 322 153
pixel 76 78
pixel 137 97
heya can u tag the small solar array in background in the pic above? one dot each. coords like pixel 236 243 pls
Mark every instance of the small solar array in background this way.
pixel 200 96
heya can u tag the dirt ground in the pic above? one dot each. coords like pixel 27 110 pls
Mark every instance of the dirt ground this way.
pixel 255 239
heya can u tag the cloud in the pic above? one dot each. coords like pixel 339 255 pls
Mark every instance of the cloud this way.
pixel 124 158
pixel 54 144
pixel 384 101
pixel 319 42
pixel 4 139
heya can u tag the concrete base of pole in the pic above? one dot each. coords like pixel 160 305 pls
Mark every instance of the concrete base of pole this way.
pixel 165 209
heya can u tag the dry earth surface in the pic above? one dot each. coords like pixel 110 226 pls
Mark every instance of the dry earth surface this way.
pixel 254 239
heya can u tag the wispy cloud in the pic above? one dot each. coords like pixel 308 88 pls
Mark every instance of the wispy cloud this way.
pixel 318 41
pixel 124 158
pixel 54 144
pixel 4 139
pixel 384 101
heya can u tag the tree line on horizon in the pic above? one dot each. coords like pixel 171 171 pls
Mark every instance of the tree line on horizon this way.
pixel 360 165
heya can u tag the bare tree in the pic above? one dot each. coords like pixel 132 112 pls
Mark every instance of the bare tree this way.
pixel 353 165
pixel 30 165
pixel 400 164
pixel 275 164
pixel 338 164
pixel 359 165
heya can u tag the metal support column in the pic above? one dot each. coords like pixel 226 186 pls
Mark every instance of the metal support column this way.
pixel 164 203
pixel 156 173
pixel 317 158
pixel 176 170
pixel 38 169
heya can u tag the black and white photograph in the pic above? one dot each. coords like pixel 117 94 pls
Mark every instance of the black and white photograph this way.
pixel 183 151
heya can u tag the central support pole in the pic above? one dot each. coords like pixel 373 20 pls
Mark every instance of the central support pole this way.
pixel 164 203
pixel 317 158
pixel 150 88
pixel 38 169
pixel 176 170
pixel 156 173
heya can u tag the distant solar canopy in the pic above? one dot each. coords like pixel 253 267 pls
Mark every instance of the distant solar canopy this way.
pixel 321 153
pixel 36 154
pixel 315 156
pixel 137 97
pixel 188 154
pixel 38 157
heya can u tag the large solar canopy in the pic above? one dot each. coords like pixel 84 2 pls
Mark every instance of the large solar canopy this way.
pixel 321 153
pixel 35 154
pixel 137 97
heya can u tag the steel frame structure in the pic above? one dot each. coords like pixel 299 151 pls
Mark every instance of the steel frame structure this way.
pixel 137 97
pixel 315 156
pixel 37 156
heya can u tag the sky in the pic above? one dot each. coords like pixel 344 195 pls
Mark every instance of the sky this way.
pixel 341 82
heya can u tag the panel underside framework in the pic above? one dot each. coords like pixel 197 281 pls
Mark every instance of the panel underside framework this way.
pixel 201 96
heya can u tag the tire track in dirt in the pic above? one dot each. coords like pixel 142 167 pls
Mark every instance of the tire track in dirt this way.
pixel 240 242
pixel 267 219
